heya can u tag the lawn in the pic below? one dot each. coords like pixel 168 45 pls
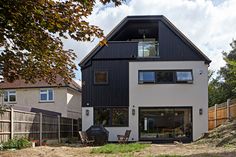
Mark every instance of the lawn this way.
pixel 120 148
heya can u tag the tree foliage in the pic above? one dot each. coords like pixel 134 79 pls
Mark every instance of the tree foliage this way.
pixel 31 33
pixel 224 85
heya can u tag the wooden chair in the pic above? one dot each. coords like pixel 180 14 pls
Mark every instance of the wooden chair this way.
pixel 124 138
pixel 85 140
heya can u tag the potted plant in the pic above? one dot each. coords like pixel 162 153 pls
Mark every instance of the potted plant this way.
pixel 34 142
pixel 44 143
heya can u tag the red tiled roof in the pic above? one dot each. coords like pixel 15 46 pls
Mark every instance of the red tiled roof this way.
pixel 38 84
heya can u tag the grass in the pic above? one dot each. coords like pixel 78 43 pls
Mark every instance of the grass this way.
pixel 119 148
pixel 165 156
pixel 168 156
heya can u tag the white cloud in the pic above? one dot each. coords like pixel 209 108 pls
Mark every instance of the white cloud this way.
pixel 211 26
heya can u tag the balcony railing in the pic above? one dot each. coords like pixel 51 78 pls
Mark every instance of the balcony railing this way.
pixel 148 49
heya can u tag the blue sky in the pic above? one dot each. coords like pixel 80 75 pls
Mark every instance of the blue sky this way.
pixel 209 24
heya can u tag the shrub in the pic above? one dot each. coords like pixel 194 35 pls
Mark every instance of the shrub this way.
pixel 16 144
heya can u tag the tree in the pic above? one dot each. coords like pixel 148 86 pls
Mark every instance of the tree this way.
pixel 31 33
pixel 228 72
pixel 224 85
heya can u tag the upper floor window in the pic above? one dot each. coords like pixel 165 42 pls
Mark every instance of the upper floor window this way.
pixel 184 76
pixel 148 49
pixel 146 77
pixel 46 95
pixel 100 77
pixel 10 96
pixel 165 76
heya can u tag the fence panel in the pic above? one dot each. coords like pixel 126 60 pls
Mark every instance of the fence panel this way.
pixel 221 113
pixel 66 127
pixel 233 110
pixel 5 126
pixel 50 127
pixel 27 124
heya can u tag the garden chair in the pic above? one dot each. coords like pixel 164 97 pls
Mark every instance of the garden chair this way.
pixel 85 140
pixel 124 138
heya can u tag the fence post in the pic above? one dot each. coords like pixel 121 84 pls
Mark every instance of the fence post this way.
pixel 59 128
pixel 72 127
pixel 12 123
pixel 215 115
pixel 228 109
pixel 40 129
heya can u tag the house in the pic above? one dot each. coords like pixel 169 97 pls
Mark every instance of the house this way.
pixel 64 100
pixel 149 78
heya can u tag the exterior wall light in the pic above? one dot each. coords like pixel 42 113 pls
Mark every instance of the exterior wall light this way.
pixel 87 112
pixel 133 111
pixel 200 111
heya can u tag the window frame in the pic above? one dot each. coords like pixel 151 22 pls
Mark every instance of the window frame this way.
pixel 101 83
pixel 184 81
pixel 148 82
pixel 47 93
pixel 175 81
pixel 111 115
pixel 8 96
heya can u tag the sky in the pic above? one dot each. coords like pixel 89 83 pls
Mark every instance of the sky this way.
pixel 209 24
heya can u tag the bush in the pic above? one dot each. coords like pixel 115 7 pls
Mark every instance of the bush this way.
pixel 16 144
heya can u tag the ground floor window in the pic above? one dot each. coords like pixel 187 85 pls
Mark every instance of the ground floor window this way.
pixel 111 116
pixel 165 123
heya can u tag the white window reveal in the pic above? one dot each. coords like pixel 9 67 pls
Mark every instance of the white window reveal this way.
pixel 10 96
pixel 46 95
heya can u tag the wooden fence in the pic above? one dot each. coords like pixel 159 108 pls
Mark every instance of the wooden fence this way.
pixel 219 113
pixel 36 126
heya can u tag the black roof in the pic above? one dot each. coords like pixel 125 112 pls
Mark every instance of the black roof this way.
pixel 146 18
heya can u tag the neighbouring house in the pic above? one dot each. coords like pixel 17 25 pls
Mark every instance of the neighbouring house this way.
pixel 64 100
pixel 150 79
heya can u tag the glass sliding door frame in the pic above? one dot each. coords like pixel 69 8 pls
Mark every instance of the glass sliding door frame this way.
pixel 168 110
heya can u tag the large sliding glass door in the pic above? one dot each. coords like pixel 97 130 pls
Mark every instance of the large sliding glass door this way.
pixel 165 123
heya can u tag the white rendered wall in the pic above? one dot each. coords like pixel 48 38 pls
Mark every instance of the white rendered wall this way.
pixel 171 95
pixel 87 120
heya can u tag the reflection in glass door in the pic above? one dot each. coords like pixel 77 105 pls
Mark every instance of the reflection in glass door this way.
pixel 165 123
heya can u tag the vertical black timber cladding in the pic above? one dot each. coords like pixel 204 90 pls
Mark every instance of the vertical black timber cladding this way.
pixel 86 86
pixel 172 47
pixel 118 50
pixel 116 92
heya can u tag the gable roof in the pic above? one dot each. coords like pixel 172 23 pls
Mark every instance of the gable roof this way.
pixel 148 18
pixel 39 84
